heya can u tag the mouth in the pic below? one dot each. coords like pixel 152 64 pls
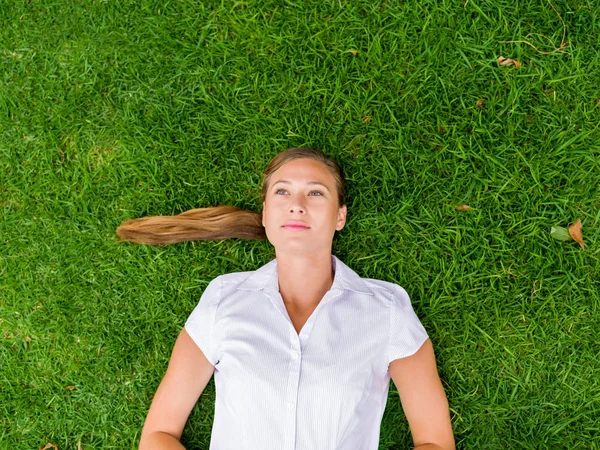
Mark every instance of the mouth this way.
pixel 295 227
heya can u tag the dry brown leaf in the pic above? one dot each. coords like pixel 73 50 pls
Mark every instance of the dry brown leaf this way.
pixel 575 232
pixel 49 445
pixel 70 388
pixel 353 52
pixel 479 103
pixel 366 119
pixel 27 339
pixel 508 62
pixel 463 208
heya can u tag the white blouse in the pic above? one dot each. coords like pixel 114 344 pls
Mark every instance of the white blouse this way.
pixel 323 389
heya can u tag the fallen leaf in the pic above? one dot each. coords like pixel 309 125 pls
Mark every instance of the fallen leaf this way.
pixel 27 339
pixel 49 445
pixel 366 119
pixel 70 388
pixel 353 52
pixel 479 103
pixel 575 232
pixel 560 233
pixel 463 207
pixel 508 62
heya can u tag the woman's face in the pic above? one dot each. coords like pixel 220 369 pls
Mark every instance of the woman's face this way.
pixel 295 196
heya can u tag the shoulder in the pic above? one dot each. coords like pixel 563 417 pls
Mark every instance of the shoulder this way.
pixel 219 291
pixel 224 285
pixel 234 284
pixel 235 277
pixel 388 290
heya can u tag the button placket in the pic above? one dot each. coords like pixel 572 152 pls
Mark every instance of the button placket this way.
pixel 292 390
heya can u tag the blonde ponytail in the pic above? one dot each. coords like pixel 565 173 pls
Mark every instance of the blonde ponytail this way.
pixel 219 222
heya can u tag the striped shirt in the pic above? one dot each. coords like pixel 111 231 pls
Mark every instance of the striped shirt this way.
pixel 323 389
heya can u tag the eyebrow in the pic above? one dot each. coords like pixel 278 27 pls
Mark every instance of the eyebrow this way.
pixel 308 182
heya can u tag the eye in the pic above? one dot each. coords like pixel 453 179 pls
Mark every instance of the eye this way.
pixel 318 192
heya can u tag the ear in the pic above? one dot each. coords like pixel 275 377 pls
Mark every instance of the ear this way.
pixel 341 218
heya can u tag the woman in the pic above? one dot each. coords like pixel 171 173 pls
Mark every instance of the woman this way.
pixel 302 349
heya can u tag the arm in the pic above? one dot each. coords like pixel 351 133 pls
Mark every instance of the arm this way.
pixel 423 399
pixel 187 375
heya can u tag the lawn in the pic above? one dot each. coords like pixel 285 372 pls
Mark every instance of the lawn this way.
pixel 111 110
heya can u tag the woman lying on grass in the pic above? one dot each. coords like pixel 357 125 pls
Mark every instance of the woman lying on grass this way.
pixel 302 349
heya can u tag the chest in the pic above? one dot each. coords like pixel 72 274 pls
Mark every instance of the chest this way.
pixel 346 338
pixel 299 316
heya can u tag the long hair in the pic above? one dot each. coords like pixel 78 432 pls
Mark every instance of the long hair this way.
pixel 222 222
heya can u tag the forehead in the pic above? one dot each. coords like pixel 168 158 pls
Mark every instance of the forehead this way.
pixel 300 170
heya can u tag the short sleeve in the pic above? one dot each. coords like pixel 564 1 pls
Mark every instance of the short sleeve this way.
pixel 407 334
pixel 200 325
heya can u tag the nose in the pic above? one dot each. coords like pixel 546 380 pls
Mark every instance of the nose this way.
pixel 297 204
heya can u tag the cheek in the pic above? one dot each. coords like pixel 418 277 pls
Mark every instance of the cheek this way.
pixel 269 213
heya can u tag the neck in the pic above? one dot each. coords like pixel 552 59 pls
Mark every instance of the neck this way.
pixel 303 281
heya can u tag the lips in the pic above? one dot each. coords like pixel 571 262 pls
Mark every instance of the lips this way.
pixel 295 226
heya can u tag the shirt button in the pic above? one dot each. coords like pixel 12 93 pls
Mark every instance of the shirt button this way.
pixel 290 405
pixel 295 356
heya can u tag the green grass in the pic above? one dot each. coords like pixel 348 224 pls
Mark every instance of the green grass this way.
pixel 112 110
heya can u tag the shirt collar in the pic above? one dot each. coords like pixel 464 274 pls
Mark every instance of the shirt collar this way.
pixel 266 278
